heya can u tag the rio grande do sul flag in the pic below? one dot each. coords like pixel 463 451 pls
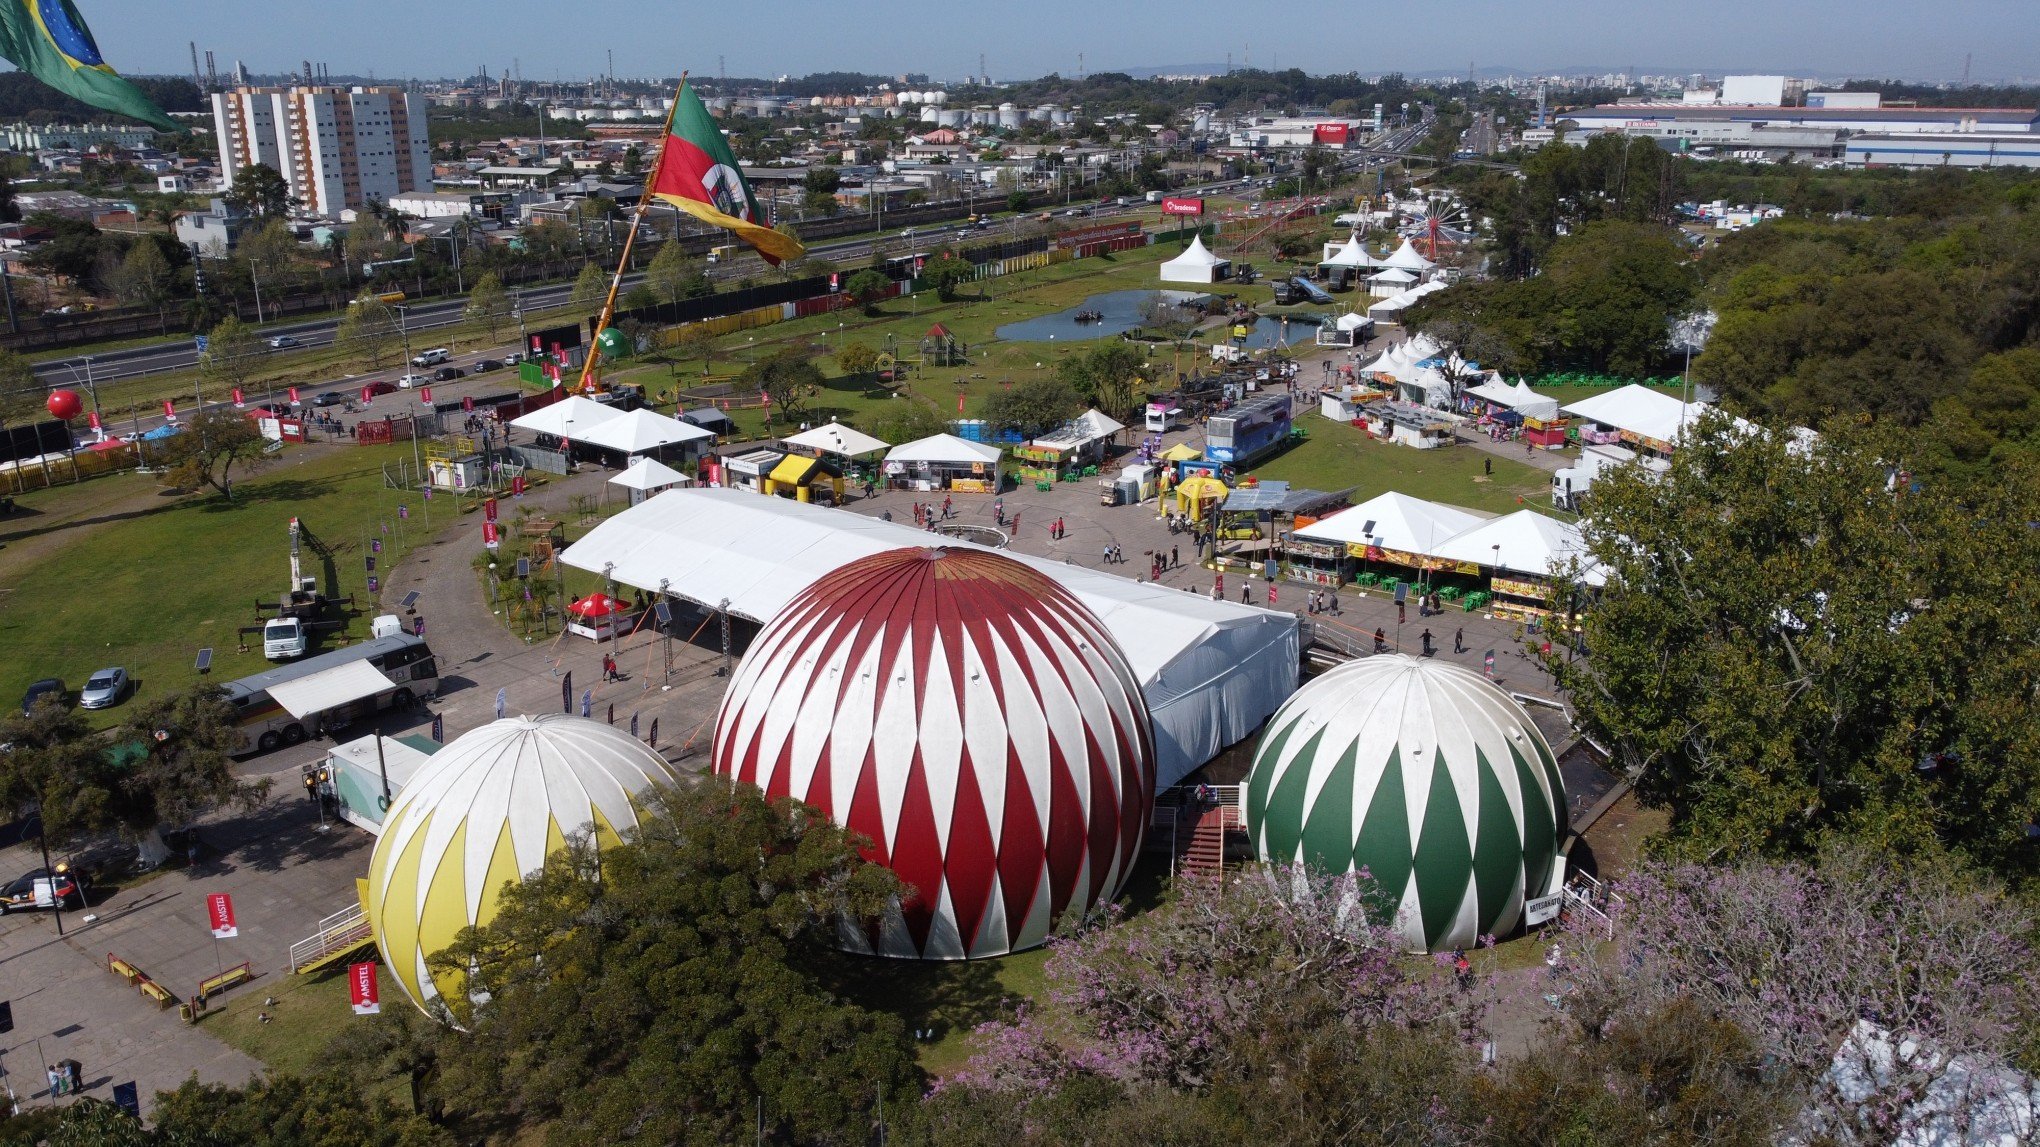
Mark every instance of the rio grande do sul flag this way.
pixel 699 175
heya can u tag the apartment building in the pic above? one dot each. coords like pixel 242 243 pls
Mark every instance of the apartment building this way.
pixel 336 147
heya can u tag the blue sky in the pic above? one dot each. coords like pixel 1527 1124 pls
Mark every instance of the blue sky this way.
pixel 432 38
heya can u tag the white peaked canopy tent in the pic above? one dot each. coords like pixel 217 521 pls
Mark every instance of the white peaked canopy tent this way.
pixel 641 432
pixel 1525 542
pixel 1390 309
pixel 1352 320
pixel 1086 428
pixel 836 438
pixel 1195 265
pixel 1519 398
pixel 1350 254
pixel 570 418
pixel 1211 671
pixel 1393 521
pixel 648 476
pixel 944 448
pixel 1643 412
pixel 1408 258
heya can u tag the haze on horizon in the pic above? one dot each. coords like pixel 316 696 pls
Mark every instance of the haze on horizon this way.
pixel 452 38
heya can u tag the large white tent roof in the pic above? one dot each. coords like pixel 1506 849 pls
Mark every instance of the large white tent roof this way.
pixel 1196 255
pixel 1519 398
pixel 1211 671
pixel 1641 411
pixel 571 417
pixel 1529 543
pixel 649 474
pixel 641 430
pixel 1397 303
pixel 1393 521
pixel 943 448
pixel 1392 275
pixel 836 438
pixel 1085 428
pixel 1408 258
pixel 1352 254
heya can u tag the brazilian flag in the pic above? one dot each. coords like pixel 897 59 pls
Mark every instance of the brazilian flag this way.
pixel 48 39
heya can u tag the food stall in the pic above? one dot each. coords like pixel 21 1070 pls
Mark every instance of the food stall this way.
pixel 943 462
pixel 751 471
pixel 599 617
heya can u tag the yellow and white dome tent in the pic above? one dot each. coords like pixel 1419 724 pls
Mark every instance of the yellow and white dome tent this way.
pixel 488 809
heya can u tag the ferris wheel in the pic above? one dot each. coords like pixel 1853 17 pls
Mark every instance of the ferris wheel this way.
pixel 1442 222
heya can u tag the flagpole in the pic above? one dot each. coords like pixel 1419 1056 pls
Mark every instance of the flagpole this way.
pixel 629 238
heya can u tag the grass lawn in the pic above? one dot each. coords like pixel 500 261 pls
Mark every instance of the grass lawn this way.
pixel 109 572
pixel 1338 455
pixel 309 1011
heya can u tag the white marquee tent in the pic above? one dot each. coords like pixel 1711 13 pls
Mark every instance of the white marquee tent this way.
pixel 1195 265
pixel 1390 309
pixel 641 432
pixel 1524 542
pixel 1211 671
pixel 570 418
pixel 947 449
pixel 836 438
pixel 1393 521
pixel 1086 428
pixel 1643 412
pixel 648 476
pixel 1349 254
pixel 1408 258
pixel 1519 398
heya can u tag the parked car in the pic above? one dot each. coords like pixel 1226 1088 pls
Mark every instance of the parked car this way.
pixel 279 409
pixel 104 689
pixel 47 687
pixel 329 398
pixel 374 388
pixel 485 365
pixel 431 357
pixel 513 358
pixel 448 373
pixel 40 889
pixel 410 380
pixel 282 342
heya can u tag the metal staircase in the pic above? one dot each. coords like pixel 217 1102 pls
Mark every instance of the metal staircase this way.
pixel 340 935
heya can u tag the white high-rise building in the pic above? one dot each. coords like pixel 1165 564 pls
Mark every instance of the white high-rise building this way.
pixel 336 147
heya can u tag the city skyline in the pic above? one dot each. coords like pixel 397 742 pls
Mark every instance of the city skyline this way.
pixel 1994 40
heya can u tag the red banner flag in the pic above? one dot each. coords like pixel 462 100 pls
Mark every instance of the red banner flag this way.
pixel 92 419
pixel 238 403
pixel 362 991
pixel 219 910
pixel 699 174
pixel 169 410
pixel 293 396
pixel 489 510
pixel 366 396
pixel 425 393
pixel 490 537
pixel 467 403
pixel 959 402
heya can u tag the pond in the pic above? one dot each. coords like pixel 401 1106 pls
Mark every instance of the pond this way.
pixel 1122 311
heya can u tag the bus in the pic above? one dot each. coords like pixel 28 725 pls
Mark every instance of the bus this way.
pixel 1246 434
pixel 387 298
pixel 265 724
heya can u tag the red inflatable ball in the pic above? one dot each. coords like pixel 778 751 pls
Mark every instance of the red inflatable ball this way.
pixel 65 404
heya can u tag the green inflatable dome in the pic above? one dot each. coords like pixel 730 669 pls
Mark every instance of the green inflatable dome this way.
pixel 1426 775
pixel 614 343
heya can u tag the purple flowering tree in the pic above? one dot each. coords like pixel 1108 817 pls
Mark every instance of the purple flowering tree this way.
pixel 1890 993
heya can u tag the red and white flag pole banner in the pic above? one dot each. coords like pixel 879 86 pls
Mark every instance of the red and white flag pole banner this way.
pixel 219 910
pixel 362 990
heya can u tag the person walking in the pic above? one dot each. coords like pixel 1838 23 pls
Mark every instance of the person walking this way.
pixel 1380 640
pixel 1425 638
pixel 947 511
pixel 1459 641
pixel 1174 559
pixel 1246 593
pixel 1402 612
pixel 1107 558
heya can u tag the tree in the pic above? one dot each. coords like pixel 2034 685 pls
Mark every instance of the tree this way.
pixel 673 275
pixel 818 190
pixel 488 304
pixel 661 1003
pixel 906 420
pixel 788 380
pixel 945 272
pixel 20 392
pixel 213 443
pixel 591 286
pixel 696 340
pixel 1034 406
pixel 1785 649
pixel 857 358
pixel 1016 201
pixel 324 1109
pixel 145 277
pixel 368 329
pixel 640 297
pixel 1108 376
pixel 1818 964
pixel 868 287
pixel 232 355
pixel 272 256
pixel 259 189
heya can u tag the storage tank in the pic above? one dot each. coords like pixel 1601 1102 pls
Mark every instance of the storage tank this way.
pixel 1061 117
pixel 937 97
pixel 953 117
pixel 930 113
pixel 1010 117
pixel 1201 123
pixel 983 115
pixel 1042 114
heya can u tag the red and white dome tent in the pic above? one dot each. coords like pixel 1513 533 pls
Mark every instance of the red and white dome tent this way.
pixel 974 720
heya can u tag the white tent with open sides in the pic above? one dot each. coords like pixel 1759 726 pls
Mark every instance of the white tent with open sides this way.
pixel 570 418
pixel 1349 254
pixel 1195 265
pixel 838 439
pixel 1408 258
pixel 642 432
pixel 1393 521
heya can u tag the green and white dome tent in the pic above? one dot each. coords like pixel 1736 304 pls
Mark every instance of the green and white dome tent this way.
pixel 1424 774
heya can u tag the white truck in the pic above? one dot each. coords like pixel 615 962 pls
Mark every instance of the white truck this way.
pixel 284 638
pixel 1570 484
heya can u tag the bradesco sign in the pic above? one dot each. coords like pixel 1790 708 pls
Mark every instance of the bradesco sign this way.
pixel 1175 206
